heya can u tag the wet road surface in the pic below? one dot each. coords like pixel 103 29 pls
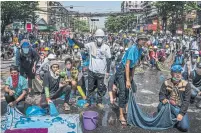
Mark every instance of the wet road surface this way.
pixel 148 85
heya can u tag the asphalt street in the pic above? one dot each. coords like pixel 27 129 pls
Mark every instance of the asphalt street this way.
pixel 148 85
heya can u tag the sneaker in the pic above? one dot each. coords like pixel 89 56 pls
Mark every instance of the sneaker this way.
pixel 100 105
pixel 66 107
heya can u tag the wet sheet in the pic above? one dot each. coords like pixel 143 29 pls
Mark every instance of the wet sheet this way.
pixel 136 117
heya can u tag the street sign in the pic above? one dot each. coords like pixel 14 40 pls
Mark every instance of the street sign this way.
pixel 29 27
pixel 94 19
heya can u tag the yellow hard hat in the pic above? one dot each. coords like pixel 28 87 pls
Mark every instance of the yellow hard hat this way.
pixel 150 47
pixel 167 46
pixel 46 49
pixel 36 42
pixel 76 47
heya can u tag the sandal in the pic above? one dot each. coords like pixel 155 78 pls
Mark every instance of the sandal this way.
pixel 123 123
pixel 86 105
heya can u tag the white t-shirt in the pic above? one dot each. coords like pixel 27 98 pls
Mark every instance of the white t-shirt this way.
pixel 98 63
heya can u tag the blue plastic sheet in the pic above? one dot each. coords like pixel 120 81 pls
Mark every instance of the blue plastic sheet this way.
pixel 163 120
pixel 35 111
pixel 81 103
pixel 64 123
pixel 53 110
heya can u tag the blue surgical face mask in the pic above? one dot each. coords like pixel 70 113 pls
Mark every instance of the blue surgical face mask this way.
pixel 25 50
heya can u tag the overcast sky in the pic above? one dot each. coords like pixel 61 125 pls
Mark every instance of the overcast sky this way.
pixel 95 6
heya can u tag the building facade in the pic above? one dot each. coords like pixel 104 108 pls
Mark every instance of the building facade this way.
pixel 129 6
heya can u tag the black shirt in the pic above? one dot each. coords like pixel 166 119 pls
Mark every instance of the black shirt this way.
pixel 51 83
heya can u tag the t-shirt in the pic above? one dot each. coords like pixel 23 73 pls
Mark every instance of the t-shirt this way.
pixel 133 54
pixel 51 83
pixel 98 63
pixel 22 85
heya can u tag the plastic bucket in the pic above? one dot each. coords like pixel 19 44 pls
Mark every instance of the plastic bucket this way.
pixel 90 119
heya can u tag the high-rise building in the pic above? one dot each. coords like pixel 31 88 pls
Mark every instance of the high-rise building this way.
pixel 150 12
pixel 129 6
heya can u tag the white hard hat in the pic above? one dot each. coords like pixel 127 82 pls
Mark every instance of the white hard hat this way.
pixel 155 47
pixel 51 56
pixel 196 53
pixel 126 49
pixel 100 33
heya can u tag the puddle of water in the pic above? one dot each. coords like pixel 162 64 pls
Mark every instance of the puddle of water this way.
pixel 146 91
pixel 194 110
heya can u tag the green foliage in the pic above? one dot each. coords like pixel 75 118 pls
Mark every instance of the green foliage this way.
pixel 17 11
pixel 81 25
pixel 117 23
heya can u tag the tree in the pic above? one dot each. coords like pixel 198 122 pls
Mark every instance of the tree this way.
pixel 81 25
pixel 175 12
pixel 117 23
pixel 17 11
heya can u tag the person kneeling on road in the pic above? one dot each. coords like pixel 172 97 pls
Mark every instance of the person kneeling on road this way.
pixel 177 92
pixel 53 88
pixel 195 80
pixel 16 87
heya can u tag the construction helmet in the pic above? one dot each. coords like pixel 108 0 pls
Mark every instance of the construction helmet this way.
pixel 76 47
pixel 99 33
pixel 46 49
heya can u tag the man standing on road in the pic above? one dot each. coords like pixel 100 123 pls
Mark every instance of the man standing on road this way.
pixel 125 73
pixel 26 60
pixel 99 66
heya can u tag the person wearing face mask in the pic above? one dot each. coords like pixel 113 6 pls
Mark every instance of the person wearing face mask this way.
pixel 16 87
pixel 53 87
pixel 99 66
pixel 179 59
pixel 195 80
pixel 26 60
pixel 176 92
pixel 71 74
pixel 77 57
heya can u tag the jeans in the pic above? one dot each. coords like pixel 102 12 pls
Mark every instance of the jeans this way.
pixel 152 62
pixel 120 78
pixel 62 90
pixel 182 125
pixel 194 92
pixel 20 105
pixel 92 78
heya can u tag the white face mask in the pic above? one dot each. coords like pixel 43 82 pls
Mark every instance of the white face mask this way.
pixel 75 50
pixel 194 60
pixel 99 41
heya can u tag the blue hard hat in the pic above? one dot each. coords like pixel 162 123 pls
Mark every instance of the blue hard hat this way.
pixel 176 68
pixel 25 45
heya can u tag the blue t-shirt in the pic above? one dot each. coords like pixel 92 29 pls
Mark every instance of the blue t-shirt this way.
pixel 70 42
pixel 22 85
pixel 133 54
